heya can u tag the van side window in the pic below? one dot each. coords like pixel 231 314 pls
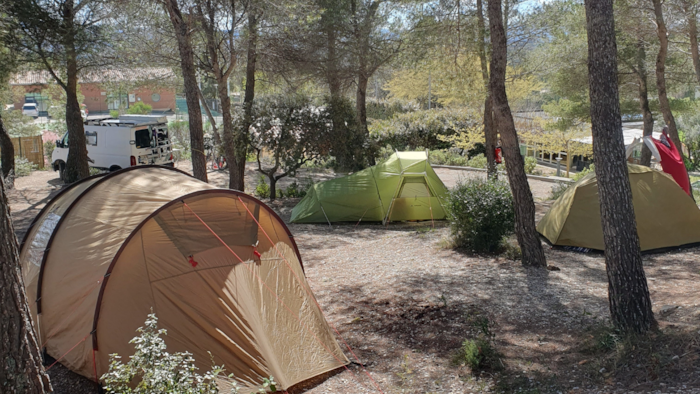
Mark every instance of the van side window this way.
pixel 143 138
pixel 91 137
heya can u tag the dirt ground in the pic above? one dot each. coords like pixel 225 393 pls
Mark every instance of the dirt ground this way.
pixel 404 302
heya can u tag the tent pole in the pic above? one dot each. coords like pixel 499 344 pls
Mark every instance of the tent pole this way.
pixel 436 195
pixel 430 204
pixel 391 205
pixel 381 204
pixel 324 214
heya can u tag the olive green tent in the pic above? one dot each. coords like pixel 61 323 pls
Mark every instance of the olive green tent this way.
pixel 403 187
pixel 666 215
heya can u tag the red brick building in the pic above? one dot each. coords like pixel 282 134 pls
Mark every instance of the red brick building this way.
pixel 106 90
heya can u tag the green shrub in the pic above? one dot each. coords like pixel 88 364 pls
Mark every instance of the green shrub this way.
pixel 139 108
pixel 447 158
pixel 530 165
pixel 114 113
pixel 23 167
pixel 558 189
pixel 478 161
pixel 481 214
pixel 479 353
pixel 386 109
pixel 158 371
pixel 179 131
pixel 474 352
pixel 583 172
pixel 49 146
pixel 349 146
pixel 295 190
pixel 262 190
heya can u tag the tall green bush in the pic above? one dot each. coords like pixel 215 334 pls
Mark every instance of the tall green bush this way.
pixel 349 146
pixel 481 214
pixel 446 157
pixel 530 165
pixel 478 161
pixel 23 167
pixel 139 108
pixel 583 172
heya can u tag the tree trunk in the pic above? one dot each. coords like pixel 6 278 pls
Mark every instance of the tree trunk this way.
pixel 630 305
pixel 528 239
pixel 644 101
pixel 7 156
pixel 661 80
pixel 21 370
pixel 242 137
pixel 689 10
pixel 332 77
pixel 489 127
pixel 490 139
pixel 189 76
pixel 661 74
pixel 221 75
pixel 361 96
pixel 273 188
pixel 77 162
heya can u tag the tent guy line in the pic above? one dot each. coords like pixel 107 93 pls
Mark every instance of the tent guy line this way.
pixel 310 294
pixel 274 293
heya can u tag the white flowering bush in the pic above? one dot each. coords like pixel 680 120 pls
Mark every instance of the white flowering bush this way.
pixel 481 214
pixel 162 372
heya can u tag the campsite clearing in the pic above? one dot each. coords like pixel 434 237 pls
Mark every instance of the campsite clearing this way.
pixel 405 303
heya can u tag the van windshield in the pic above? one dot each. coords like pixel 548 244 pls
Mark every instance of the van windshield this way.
pixel 143 138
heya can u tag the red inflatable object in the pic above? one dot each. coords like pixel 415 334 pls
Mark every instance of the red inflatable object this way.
pixel 671 161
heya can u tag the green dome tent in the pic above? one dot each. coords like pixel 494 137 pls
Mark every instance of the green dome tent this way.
pixel 666 215
pixel 403 187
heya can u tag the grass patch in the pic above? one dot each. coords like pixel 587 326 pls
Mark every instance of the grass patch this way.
pixel 661 356
pixel 479 353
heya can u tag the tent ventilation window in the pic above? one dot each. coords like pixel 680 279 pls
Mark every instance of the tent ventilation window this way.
pixel 414 187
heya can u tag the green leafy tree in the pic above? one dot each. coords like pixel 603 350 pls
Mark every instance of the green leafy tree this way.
pixel 8 65
pixel 19 125
pixel 64 37
pixel 430 129
pixel 288 132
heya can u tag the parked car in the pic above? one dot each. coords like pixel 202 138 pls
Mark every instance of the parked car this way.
pixel 114 144
pixel 30 109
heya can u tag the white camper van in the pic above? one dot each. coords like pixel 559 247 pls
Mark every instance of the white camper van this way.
pixel 113 144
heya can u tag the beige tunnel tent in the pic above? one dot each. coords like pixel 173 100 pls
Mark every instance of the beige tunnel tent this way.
pixel 107 250
pixel 666 216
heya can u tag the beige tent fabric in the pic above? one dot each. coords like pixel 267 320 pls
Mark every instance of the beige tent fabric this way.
pixel 666 216
pixel 258 318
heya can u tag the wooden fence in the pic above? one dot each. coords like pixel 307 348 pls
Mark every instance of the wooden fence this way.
pixel 31 148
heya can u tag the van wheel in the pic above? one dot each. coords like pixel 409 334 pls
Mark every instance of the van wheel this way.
pixel 62 171
pixel 114 168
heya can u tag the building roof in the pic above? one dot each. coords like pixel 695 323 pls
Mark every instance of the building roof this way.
pixel 629 135
pixel 43 77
